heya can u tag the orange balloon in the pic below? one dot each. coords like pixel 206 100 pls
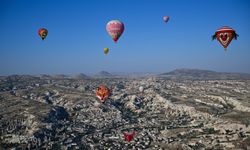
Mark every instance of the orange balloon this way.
pixel 43 33
pixel 102 92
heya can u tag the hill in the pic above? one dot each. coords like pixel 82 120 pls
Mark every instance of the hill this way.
pixel 198 74
pixel 104 74
pixel 81 76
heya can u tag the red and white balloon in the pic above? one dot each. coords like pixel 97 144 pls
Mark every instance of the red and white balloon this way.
pixel 225 35
pixel 115 29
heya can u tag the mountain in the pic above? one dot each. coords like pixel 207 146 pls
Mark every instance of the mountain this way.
pixel 198 74
pixel 104 74
pixel 81 76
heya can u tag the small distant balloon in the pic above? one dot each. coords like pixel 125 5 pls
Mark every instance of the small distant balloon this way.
pixel 115 29
pixel 106 50
pixel 102 92
pixel 129 136
pixel 225 35
pixel 42 32
pixel 166 18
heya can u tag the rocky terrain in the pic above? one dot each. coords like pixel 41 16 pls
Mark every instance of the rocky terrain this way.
pixel 58 112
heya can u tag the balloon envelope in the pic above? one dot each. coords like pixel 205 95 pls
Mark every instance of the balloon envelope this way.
pixel 42 32
pixel 129 137
pixel 115 29
pixel 106 50
pixel 165 18
pixel 225 35
pixel 102 92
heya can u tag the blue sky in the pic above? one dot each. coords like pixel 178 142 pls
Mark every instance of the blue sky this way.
pixel 77 36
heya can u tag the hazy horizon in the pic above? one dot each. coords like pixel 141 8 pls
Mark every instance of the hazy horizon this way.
pixel 117 73
pixel 77 36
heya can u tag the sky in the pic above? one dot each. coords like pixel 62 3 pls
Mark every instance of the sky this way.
pixel 77 36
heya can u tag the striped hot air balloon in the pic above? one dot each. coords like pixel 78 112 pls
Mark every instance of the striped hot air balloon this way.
pixel 115 29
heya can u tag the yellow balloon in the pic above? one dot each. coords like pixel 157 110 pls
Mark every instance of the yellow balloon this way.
pixel 106 50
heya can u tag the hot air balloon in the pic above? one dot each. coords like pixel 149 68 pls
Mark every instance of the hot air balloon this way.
pixel 129 136
pixel 42 32
pixel 106 50
pixel 115 29
pixel 102 92
pixel 225 35
pixel 165 18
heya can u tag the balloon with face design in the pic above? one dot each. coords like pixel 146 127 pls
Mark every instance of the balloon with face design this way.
pixel 42 32
pixel 102 92
pixel 225 35
pixel 115 29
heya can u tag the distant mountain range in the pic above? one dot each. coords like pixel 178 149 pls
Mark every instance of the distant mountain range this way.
pixel 198 74
pixel 104 74
pixel 192 74
pixel 183 74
